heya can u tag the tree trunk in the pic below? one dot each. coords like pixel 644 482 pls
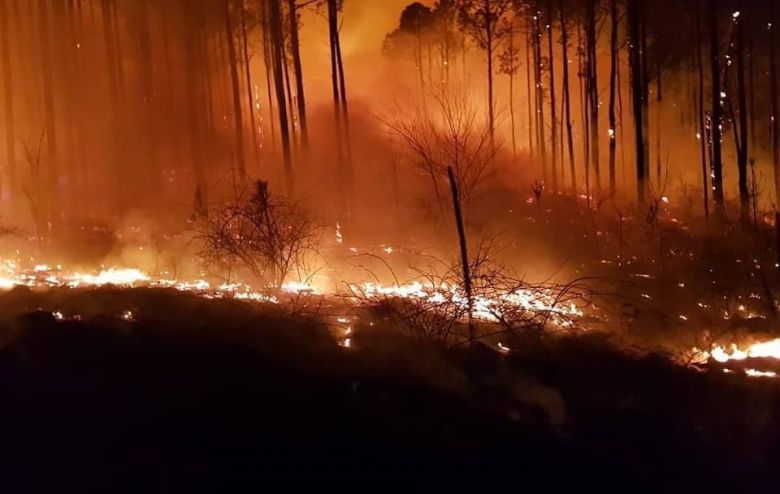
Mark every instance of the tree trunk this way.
pixel 342 109
pixel 637 83
pixel 659 105
pixel 113 93
pixel 717 159
pixel 193 71
pixel 752 89
pixel 249 87
pixel 491 101
pixel 63 68
pixel 645 96
pixel 277 47
pixel 298 66
pixel 148 103
pixel 512 91
pixel 612 88
pixel 238 121
pixel 464 254
pixel 553 109
pixel 49 110
pixel 81 87
pixel 701 121
pixel 742 143
pixel 621 121
pixel 567 95
pixel 290 102
pixel 593 92
pixel 584 109
pixel 268 68
pixel 10 127
pixel 528 62
pixel 774 123
pixel 539 102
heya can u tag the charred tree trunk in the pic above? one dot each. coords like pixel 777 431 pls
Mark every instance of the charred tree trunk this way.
pixel 512 91
pixel 659 102
pixel 298 66
pixel 290 102
pixel 8 87
pixel 530 93
pixel 539 100
pixel 637 83
pixel 249 87
pixel 277 47
pixel 62 51
pixel 645 95
pixel 716 133
pixel 553 110
pixel 342 85
pixel 193 71
pixel 238 122
pixel 567 95
pixel 584 109
pixel 774 109
pixel 621 121
pixel 489 48
pixel 334 75
pixel 268 68
pixel 342 109
pixel 150 130
pixel 48 106
pixel 81 87
pixel 593 92
pixel 752 89
pixel 742 141
pixel 464 254
pixel 701 120
pixel 612 88
pixel 113 94
pixel 774 123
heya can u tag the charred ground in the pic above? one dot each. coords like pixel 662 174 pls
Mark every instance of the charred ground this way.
pixel 197 395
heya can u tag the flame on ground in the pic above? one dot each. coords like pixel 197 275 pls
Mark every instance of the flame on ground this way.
pixel 484 308
pixel 724 354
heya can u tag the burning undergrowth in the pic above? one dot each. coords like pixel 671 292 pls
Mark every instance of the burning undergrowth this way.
pixel 436 309
pixel 231 369
pixel 642 277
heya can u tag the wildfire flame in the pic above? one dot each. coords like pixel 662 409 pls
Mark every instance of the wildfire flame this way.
pixel 724 354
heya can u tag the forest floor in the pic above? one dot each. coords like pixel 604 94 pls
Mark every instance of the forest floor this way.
pixel 151 389
pixel 197 395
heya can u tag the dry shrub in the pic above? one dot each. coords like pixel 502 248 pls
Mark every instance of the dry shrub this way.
pixel 269 236
pixel 435 310
pixel 449 134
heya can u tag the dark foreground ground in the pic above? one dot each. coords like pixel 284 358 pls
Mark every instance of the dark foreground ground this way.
pixel 205 396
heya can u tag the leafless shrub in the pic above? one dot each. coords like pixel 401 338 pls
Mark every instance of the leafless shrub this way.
pixel 516 305
pixel 755 188
pixel 267 235
pixel 622 217
pixel 434 308
pixel 431 315
pixel 450 134
pixel 655 203
pixel 538 190
pixel 592 215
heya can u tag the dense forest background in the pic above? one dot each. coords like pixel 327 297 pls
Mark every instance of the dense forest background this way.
pixel 113 108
